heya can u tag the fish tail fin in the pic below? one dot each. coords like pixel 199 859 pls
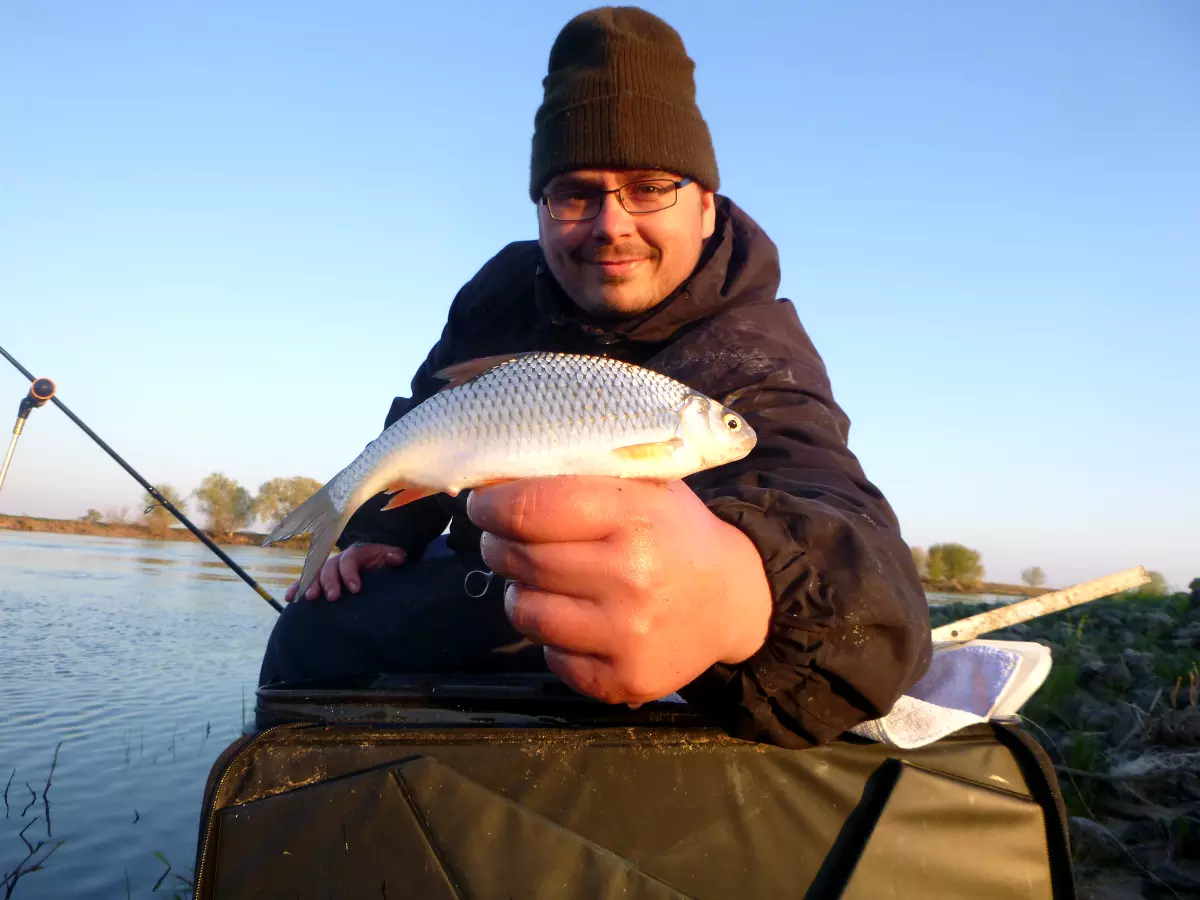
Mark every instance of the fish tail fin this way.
pixel 319 517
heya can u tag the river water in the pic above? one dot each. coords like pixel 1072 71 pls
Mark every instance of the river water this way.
pixel 141 659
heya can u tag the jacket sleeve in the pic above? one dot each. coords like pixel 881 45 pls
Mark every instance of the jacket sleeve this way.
pixel 849 631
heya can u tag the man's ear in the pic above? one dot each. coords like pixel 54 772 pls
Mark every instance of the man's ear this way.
pixel 708 213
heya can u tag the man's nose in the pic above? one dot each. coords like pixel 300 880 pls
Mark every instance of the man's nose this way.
pixel 613 222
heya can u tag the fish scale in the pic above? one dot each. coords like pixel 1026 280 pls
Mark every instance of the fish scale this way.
pixel 530 415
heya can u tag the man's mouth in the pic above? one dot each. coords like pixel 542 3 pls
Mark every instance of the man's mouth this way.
pixel 613 265
pixel 618 266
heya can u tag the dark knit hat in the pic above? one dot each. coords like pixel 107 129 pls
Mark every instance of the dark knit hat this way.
pixel 620 95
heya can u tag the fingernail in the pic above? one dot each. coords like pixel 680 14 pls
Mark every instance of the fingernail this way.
pixel 486 540
pixel 353 585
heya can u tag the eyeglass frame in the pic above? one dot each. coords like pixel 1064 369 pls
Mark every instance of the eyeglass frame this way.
pixel 544 199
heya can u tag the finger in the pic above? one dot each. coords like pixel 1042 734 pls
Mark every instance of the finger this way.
pixel 395 556
pixel 347 567
pixel 330 580
pixel 314 589
pixel 565 622
pixel 596 676
pixel 589 675
pixel 291 592
pixel 563 508
pixel 578 569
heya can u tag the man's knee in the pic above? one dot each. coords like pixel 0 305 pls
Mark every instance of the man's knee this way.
pixel 309 642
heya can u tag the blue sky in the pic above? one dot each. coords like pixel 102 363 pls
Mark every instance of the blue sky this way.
pixel 231 231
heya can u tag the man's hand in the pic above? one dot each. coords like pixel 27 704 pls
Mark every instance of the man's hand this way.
pixel 343 568
pixel 634 588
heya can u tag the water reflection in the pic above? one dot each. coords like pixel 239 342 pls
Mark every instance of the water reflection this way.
pixel 157 561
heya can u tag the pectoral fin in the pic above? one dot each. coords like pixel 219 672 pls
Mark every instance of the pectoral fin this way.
pixel 655 450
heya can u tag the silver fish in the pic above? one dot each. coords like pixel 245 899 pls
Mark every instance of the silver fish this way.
pixel 522 416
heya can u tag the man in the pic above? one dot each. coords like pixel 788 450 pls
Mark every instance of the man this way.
pixel 775 593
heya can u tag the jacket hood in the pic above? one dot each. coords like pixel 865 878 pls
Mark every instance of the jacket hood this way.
pixel 738 266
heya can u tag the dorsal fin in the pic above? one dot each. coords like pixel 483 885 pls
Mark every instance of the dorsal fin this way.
pixel 460 373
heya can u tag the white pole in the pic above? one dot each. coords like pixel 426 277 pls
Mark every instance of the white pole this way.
pixel 1036 607
pixel 12 445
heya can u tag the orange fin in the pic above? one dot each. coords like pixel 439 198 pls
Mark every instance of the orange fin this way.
pixel 460 373
pixel 655 450
pixel 403 493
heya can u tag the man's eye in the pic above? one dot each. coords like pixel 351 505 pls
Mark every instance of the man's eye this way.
pixel 647 189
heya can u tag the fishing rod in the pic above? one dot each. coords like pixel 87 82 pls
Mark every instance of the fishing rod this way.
pixel 43 390
pixel 40 391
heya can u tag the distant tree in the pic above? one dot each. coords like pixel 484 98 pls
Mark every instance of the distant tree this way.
pixel 92 517
pixel 279 496
pixel 955 563
pixel 1034 576
pixel 226 504
pixel 155 515
pixel 117 515
pixel 1158 586
pixel 935 566
pixel 920 559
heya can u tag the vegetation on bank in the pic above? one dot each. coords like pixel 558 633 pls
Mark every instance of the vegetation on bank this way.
pixel 955 569
pixel 227 507
pixel 1120 715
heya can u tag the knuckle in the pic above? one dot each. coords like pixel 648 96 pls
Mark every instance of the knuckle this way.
pixel 523 508
pixel 638 578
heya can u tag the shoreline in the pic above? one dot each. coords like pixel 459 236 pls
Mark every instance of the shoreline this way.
pixel 141 532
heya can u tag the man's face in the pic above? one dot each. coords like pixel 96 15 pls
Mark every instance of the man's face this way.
pixel 620 263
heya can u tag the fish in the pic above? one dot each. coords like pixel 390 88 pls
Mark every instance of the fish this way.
pixel 525 415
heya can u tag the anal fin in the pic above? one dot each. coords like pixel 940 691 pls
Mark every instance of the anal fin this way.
pixel 403 493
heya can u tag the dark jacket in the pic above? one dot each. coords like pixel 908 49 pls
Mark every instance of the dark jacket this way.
pixel 850 630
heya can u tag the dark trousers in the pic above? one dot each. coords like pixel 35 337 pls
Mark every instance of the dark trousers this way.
pixel 413 618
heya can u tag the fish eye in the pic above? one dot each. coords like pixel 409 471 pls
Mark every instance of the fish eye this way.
pixel 732 422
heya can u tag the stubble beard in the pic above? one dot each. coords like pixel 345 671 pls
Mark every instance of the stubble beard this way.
pixel 617 295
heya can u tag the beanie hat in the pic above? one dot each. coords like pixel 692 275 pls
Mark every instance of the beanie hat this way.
pixel 620 94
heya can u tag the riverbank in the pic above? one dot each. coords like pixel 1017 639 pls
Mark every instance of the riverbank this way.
pixel 1120 714
pixel 1015 591
pixel 140 532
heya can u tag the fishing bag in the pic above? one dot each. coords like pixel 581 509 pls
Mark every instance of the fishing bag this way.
pixel 513 787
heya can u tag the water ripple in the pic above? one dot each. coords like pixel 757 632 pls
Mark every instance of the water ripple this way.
pixel 124 652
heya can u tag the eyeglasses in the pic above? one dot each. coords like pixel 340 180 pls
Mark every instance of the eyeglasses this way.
pixel 637 198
